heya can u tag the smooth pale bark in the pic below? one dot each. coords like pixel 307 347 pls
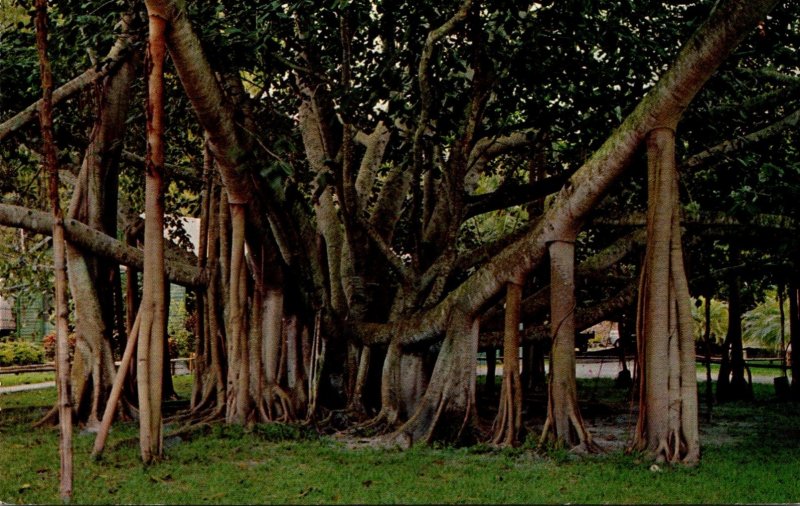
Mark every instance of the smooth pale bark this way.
pixel 96 242
pixel 508 424
pixel 447 410
pixel 151 338
pixel 667 427
pixel 94 203
pixel 213 336
pixel 595 267
pixel 59 258
pixel 116 391
pixel 375 144
pixel 564 425
pixel 239 400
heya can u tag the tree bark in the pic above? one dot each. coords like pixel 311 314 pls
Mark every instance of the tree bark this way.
pixel 794 338
pixel 151 338
pixel 447 410
pixel 239 400
pixel 564 425
pixel 96 242
pixel 732 384
pixel 508 424
pixel 667 427
pixel 59 258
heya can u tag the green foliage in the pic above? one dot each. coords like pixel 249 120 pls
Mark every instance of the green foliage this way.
pixel 20 353
pixel 719 319
pixel 181 337
pixel 761 326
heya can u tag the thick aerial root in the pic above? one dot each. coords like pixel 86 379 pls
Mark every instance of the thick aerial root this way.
pixel 507 426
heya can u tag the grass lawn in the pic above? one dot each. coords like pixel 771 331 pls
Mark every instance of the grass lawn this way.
pixel 26 378
pixel 751 453
pixel 767 372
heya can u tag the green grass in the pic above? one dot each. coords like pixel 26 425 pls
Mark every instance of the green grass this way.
pixel 26 378
pixel 769 372
pixel 750 454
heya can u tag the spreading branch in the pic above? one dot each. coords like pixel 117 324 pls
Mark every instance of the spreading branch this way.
pixel 96 242
pixel 118 53
pixel 729 146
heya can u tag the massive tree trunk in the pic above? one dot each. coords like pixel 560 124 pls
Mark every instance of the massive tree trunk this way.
pixel 667 427
pixel 447 410
pixel 91 278
pixel 564 425
pixel 151 333
pixel 59 258
pixel 508 424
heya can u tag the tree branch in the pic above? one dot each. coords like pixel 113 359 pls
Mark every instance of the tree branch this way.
pixel 732 145
pixel 96 242
pixel 487 148
pixel 514 195
pixel 118 53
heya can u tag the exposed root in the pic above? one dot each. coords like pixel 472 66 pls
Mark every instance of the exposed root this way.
pixel 383 422
pixel 51 418
pixel 579 439
pixel 277 405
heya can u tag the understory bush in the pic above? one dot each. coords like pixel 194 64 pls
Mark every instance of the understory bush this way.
pixel 49 343
pixel 20 353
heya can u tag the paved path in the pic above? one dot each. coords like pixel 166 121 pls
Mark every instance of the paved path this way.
pixel 610 367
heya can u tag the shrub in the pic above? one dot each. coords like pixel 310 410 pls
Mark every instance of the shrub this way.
pixel 49 343
pixel 20 353
pixel 180 330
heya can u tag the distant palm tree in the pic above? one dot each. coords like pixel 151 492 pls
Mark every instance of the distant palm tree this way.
pixel 719 319
pixel 761 326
